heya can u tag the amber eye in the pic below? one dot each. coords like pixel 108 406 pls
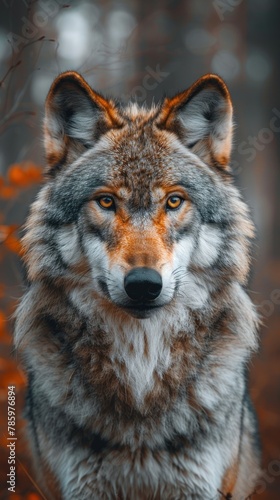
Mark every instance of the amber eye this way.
pixel 106 202
pixel 174 202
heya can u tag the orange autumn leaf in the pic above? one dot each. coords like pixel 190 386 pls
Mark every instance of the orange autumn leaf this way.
pixel 7 192
pixel 9 368
pixel 4 332
pixel 33 496
pixel 6 231
pixel 3 322
pixel 7 365
pixel 16 175
pixel 9 239
pixel 23 174
pixel 13 243
pixel 12 377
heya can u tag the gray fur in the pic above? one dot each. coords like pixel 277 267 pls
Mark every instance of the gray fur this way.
pixel 153 406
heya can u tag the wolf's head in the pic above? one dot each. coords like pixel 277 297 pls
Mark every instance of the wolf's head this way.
pixel 139 205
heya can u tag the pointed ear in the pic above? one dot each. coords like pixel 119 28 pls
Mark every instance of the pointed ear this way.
pixel 202 118
pixel 75 118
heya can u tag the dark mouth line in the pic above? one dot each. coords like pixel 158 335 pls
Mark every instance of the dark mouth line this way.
pixel 141 307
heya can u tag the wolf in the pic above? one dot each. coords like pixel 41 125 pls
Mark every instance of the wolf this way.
pixel 135 329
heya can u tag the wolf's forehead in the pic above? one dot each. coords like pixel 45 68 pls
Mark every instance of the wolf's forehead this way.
pixel 141 165
pixel 142 176
pixel 141 155
pixel 141 182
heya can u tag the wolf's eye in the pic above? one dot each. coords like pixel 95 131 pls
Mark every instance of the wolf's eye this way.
pixel 174 202
pixel 106 202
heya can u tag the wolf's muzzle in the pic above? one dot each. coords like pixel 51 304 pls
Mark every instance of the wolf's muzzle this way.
pixel 143 284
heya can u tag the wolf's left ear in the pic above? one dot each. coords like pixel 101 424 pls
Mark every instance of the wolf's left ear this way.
pixel 76 116
pixel 201 116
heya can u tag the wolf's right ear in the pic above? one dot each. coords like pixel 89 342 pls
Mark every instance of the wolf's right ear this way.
pixel 75 118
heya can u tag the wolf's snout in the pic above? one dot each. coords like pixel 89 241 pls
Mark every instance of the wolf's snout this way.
pixel 143 284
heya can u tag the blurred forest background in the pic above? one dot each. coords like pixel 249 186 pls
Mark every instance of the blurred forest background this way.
pixel 145 50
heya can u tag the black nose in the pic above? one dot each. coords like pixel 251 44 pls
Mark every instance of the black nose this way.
pixel 143 284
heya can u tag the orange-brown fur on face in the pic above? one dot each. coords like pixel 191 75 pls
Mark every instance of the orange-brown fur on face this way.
pixel 135 244
pixel 139 398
